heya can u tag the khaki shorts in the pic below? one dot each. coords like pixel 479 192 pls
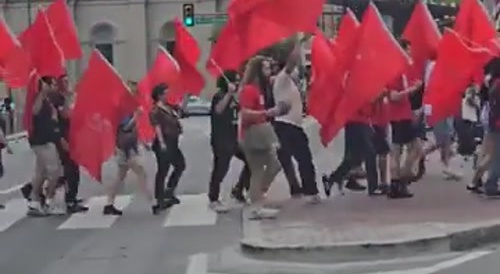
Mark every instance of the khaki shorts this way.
pixel 47 162
pixel 134 159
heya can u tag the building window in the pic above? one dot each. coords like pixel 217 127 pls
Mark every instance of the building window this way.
pixel 106 50
pixel 169 46
pixel 103 37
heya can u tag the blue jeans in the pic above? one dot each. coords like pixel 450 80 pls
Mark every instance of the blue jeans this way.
pixel 491 185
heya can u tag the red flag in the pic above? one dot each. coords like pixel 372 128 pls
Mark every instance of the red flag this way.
pixel 13 58
pixel 187 54
pixel 165 70
pixel 325 85
pixel 64 29
pixel 346 40
pixel 46 55
pixel 379 60
pixel 296 15
pixel 423 34
pixel 456 64
pixel 257 24
pixel 96 115
pixel 472 23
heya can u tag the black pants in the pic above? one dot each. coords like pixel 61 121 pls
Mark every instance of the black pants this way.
pixel 71 177
pixel 294 143
pixel 171 156
pixel 359 149
pixel 221 161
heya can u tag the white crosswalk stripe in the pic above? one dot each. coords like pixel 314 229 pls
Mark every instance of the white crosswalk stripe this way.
pixel 94 217
pixel 192 212
pixel 199 213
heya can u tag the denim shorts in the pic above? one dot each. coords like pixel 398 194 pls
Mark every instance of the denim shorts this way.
pixel 443 131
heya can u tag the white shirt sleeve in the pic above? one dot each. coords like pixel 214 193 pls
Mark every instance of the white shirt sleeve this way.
pixel 280 87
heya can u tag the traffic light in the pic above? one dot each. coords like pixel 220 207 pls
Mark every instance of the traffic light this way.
pixel 188 14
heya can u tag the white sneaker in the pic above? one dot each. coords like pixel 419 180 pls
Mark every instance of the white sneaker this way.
pixel 219 207
pixel 54 209
pixel 313 199
pixel 35 210
pixel 263 213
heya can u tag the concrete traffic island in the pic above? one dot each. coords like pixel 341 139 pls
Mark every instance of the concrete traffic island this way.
pixel 442 217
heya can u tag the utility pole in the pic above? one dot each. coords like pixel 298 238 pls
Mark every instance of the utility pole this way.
pixel 29 12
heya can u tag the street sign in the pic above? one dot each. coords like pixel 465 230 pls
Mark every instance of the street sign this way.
pixel 207 19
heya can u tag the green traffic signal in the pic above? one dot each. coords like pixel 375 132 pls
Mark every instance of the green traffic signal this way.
pixel 188 21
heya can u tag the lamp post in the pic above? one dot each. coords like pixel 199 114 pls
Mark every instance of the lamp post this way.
pixel 29 12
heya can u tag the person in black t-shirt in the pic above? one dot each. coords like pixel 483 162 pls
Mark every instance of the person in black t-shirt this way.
pixel 44 137
pixel 224 141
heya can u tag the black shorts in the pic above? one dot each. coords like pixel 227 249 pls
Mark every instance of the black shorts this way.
pixel 380 140
pixel 404 132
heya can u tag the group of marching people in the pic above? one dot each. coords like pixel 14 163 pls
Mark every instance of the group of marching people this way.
pixel 258 118
pixel 54 167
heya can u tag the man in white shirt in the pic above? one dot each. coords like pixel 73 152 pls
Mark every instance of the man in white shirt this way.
pixel 293 139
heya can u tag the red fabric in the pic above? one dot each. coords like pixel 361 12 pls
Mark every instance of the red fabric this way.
pixel 455 65
pixel 257 24
pixel 344 52
pixel 64 30
pixel 165 70
pixel 96 115
pixel 325 88
pixel 472 23
pixel 31 92
pixel 400 110
pixel 370 73
pixel 346 40
pixel 363 115
pixel 14 60
pixel 251 98
pixel 381 115
pixel 46 55
pixel 187 54
pixel 423 34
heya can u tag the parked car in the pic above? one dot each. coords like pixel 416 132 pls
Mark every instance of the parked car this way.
pixel 196 106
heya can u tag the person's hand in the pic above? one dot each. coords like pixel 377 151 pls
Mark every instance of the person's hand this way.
pixel 272 112
pixel 139 111
pixel 64 145
pixel 417 84
pixel 231 88
pixel 163 146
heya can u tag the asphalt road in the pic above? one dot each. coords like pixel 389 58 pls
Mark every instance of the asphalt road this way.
pixel 189 239
pixel 136 242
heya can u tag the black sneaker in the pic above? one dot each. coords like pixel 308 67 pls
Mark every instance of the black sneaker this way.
pixel 492 194
pixel 26 191
pixel 238 195
pixel 171 198
pixel 327 185
pixel 76 208
pixel 2 207
pixel 353 185
pixel 111 210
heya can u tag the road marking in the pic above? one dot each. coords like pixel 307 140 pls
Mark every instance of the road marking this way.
pixel 197 264
pixel 440 266
pixel 14 211
pixel 193 211
pixel 94 217
pixel 10 190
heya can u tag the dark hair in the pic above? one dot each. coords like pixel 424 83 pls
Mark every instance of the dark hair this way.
pixel 158 91
pixel 405 44
pixel 253 73
pixel 231 75
pixel 49 80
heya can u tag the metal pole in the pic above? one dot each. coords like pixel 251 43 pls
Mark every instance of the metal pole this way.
pixel 29 12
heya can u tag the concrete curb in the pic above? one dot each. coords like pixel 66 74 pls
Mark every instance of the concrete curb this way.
pixel 456 238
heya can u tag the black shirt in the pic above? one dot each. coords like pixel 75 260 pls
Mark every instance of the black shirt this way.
pixel 224 126
pixel 45 126
pixel 59 102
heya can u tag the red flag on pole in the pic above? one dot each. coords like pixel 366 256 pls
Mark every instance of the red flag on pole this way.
pixel 101 93
pixel 379 59
pixel 423 34
pixel 13 58
pixel 64 29
pixel 187 54
pixel 455 66
pixel 46 55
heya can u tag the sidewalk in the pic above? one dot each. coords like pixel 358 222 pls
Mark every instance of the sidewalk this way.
pixel 442 216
